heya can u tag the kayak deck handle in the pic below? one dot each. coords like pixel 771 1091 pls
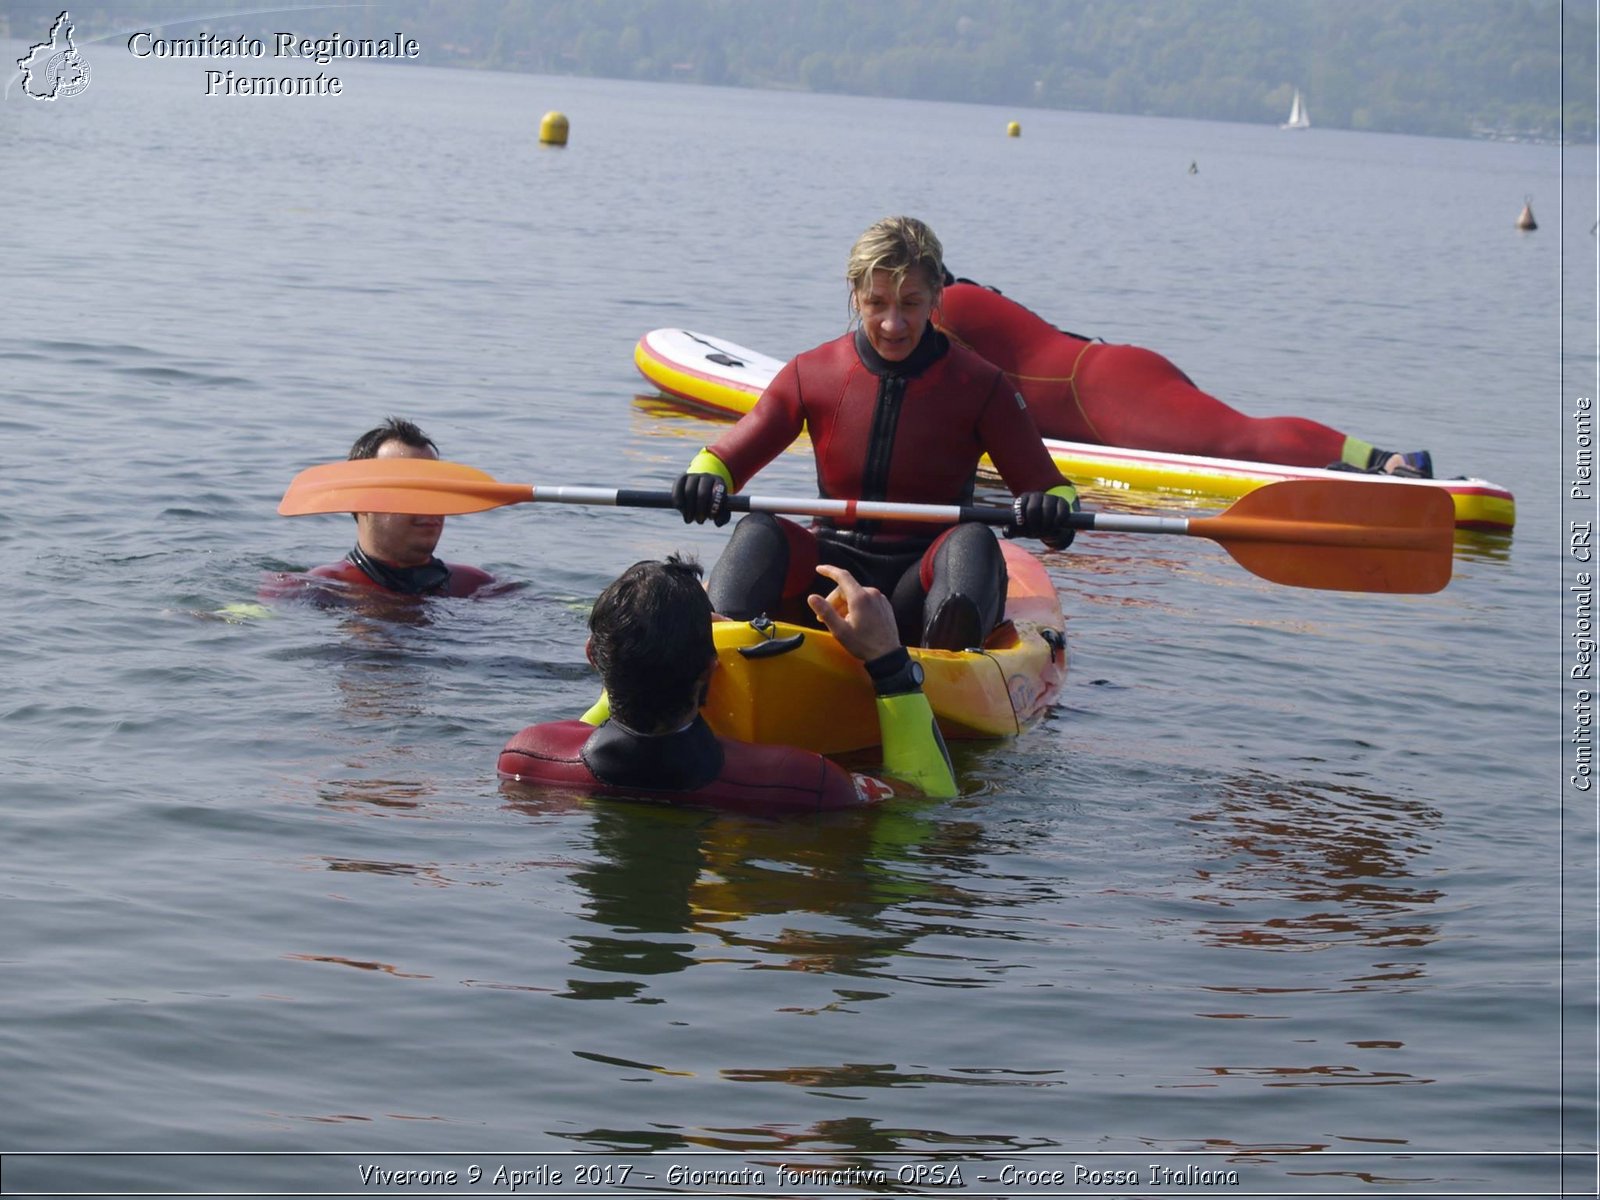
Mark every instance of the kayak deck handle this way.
pixel 771 646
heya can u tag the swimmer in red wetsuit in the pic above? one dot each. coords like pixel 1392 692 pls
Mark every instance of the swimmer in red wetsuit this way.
pixel 393 551
pixel 895 412
pixel 650 639
pixel 1081 390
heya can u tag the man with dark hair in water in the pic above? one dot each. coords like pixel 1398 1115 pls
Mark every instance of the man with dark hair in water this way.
pixel 394 551
pixel 396 429
pixel 650 639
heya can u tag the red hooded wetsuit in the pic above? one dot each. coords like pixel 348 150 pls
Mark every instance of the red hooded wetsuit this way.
pixel 693 766
pixel 463 580
pixel 457 580
pixel 910 432
pixel 1084 391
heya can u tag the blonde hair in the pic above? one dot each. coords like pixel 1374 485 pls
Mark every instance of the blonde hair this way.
pixel 898 245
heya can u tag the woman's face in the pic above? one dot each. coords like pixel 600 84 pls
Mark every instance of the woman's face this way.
pixel 894 318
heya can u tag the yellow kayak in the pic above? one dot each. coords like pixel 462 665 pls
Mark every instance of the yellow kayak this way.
pixel 797 686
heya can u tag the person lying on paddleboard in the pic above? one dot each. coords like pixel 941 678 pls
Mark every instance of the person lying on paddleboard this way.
pixel 1081 390
pixel 394 551
pixel 650 639
pixel 895 412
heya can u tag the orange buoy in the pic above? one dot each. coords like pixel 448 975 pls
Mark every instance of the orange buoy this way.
pixel 1526 221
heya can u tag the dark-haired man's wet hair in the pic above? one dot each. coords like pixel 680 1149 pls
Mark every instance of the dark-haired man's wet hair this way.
pixel 650 638
pixel 394 429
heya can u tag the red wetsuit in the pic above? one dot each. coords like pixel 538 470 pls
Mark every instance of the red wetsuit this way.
pixel 693 766
pixel 1084 391
pixel 462 581
pixel 436 579
pixel 910 432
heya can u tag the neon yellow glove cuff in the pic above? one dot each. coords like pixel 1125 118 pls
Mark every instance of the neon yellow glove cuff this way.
pixel 913 748
pixel 707 463
pixel 599 712
pixel 244 611
pixel 1066 491
pixel 1357 453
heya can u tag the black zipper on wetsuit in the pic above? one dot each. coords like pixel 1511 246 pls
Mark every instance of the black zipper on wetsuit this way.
pixel 880 445
pixel 892 382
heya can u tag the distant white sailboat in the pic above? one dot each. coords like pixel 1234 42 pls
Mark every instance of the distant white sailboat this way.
pixel 1297 114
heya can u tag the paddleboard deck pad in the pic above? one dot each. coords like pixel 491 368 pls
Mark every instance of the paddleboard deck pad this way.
pixel 715 375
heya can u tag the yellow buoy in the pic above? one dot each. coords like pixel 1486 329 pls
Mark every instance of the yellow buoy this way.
pixel 1014 129
pixel 1526 221
pixel 553 129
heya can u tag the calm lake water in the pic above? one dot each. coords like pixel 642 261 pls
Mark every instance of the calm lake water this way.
pixel 1291 884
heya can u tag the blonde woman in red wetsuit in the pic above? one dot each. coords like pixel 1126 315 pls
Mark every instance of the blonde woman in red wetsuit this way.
pixel 895 412
pixel 1111 395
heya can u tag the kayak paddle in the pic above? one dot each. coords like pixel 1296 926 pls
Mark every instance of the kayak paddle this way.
pixel 1357 536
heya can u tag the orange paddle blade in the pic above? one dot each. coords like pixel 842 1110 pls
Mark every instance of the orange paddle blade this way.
pixel 420 486
pixel 1366 535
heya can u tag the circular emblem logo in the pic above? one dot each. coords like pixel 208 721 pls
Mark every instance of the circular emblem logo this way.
pixel 68 72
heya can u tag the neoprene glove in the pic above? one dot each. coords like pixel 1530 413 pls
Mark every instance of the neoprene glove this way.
pixel 1045 515
pixel 699 497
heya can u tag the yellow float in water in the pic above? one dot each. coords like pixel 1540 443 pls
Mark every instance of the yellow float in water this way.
pixel 553 129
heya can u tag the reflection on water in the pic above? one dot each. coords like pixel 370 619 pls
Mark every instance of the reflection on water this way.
pixel 664 882
pixel 1304 868
pixel 360 964
pixel 395 666
pixel 655 416
pixel 366 603
pixel 847 896
pixel 425 874
pixel 1319 1076
pixel 1483 545
pixel 629 1063
pixel 862 1135
pixel 1329 872
pixel 385 689
pixel 661 413
pixel 354 794
pixel 876 1075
